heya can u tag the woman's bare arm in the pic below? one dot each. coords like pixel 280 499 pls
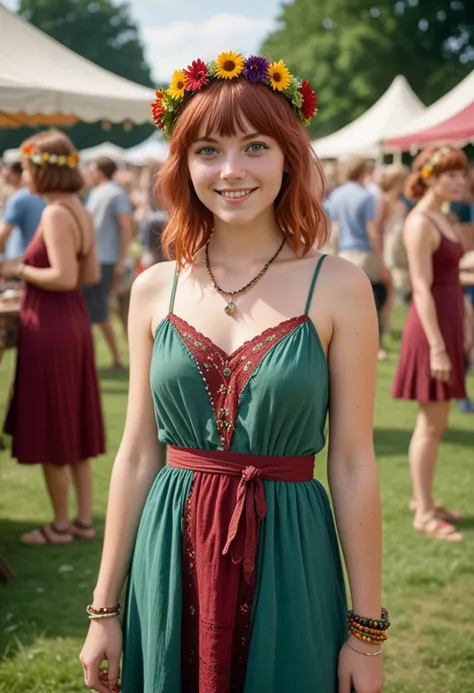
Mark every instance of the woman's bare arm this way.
pixel 89 270
pixel 140 456
pixel 420 245
pixel 352 470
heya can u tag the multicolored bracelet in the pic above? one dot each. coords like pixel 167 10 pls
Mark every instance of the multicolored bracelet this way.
pixel 369 629
pixel 95 614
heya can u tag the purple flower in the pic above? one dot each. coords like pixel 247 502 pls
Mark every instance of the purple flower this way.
pixel 256 68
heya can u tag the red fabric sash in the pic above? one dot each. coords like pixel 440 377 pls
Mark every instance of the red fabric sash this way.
pixel 242 537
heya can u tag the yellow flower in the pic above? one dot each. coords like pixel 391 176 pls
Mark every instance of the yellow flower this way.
pixel 426 172
pixel 176 89
pixel 229 65
pixel 279 76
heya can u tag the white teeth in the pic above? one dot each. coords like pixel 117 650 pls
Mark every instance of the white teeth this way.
pixel 241 193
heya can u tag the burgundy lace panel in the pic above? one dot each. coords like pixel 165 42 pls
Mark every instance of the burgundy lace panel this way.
pixel 226 376
pixel 217 602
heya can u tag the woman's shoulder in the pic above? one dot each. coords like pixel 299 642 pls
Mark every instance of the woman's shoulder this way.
pixel 340 275
pixel 156 278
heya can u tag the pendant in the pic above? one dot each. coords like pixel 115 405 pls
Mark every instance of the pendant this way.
pixel 230 307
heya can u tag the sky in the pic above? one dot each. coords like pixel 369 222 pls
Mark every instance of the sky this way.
pixel 175 32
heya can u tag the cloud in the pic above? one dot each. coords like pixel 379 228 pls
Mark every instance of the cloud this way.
pixel 175 45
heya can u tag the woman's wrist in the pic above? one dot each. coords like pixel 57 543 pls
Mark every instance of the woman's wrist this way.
pixel 438 348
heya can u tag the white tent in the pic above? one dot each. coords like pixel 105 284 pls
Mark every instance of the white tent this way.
pixel 43 82
pixel 153 149
pixel 397 108
pixel 112 151
pixel 448 107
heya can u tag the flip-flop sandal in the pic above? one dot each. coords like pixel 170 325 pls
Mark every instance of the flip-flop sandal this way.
pixel 82 531
pixel 438 529
pixel 442 513
pixel 46 535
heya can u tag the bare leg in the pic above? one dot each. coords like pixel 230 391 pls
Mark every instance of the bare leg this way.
pixel 429 430
pixel 110 338
pixel 82 479
pixel 57 484
pixel 387 311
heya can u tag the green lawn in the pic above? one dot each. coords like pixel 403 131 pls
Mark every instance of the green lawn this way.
pixel 428 585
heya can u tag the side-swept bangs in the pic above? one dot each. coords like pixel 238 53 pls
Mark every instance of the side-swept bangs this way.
pixel 227 107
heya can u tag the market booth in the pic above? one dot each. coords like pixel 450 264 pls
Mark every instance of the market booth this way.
pixel 397 108
pixel 43 83
pixel 450 120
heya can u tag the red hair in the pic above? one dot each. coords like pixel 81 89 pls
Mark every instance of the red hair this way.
pixel 227 105
pixel 452 160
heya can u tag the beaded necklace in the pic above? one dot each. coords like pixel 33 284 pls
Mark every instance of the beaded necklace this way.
pixel 230 305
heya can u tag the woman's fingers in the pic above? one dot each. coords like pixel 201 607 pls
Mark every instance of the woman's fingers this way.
pixel 93 676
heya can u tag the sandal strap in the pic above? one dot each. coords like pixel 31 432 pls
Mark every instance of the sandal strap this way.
pixel 82 525
pixel 58 530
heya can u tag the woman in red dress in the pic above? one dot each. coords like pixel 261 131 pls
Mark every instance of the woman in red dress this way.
pixel 431 369
pixel 55 418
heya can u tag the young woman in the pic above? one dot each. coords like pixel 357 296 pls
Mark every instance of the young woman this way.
pixel 431 369
pixel 236 582
pixel 55 417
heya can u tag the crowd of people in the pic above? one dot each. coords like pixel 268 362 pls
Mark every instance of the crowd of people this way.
pixel 229 383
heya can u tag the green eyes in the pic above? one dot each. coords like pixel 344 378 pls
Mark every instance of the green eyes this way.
pixel 254 148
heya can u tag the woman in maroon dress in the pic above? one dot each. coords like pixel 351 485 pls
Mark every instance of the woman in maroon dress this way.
pixel 431 369
pixel 55 418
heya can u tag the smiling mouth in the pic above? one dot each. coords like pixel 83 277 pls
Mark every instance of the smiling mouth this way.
pixel 235 194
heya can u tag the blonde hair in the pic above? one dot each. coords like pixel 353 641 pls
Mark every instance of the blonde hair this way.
pixel 393 174
pixel 355 167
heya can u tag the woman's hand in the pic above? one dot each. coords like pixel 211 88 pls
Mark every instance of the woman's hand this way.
pixel 9 268
pixel 359 672
pixel 440 364
pixel 103 643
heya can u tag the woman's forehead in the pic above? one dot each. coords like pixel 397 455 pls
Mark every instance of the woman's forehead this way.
pixel 241 128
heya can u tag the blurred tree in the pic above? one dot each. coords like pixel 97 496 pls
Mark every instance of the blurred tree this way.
pixel 102 31
pixel 351 50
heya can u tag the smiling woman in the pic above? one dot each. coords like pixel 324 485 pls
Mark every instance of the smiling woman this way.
pixel 236 581
pixel 222 110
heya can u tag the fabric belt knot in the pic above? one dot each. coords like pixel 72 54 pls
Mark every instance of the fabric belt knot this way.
pixel 250 505
pixel 251 496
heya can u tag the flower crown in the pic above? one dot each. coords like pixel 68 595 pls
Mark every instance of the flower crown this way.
pixel 429 167
pixel 231 65
pixel 43 158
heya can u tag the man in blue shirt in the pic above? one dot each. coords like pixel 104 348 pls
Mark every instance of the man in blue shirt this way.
pixel 21 215
pixel 353 211
pixel 112 213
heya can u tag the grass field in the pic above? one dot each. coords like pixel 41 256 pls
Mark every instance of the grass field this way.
pixel 428 585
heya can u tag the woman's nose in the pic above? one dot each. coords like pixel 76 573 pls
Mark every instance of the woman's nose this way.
pixel 232 167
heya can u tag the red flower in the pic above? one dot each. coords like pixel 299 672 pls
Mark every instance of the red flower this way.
pixel 308 108
pixel 157 111
pixel 159 94
pixel 195 75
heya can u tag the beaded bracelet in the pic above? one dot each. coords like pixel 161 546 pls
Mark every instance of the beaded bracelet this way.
pixel 96 614
pixel 104 609
pixel 380 624
pixel 368 638
pixel 364 630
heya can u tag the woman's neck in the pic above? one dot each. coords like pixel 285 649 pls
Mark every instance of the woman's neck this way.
pixel 432 202
pixel 241 245
pixel 55 197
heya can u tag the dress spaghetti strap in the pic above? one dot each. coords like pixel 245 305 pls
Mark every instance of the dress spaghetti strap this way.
pixel 173 289
pixel 313 283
